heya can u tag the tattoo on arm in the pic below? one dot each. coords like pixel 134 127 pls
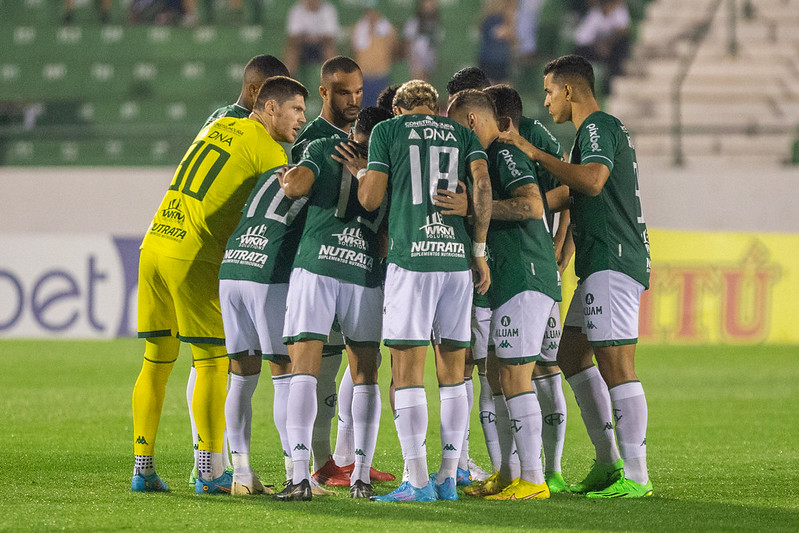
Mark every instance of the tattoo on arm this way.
pixel 525 204
pixel 482 199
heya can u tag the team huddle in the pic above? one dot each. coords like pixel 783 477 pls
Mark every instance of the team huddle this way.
pixel 395 224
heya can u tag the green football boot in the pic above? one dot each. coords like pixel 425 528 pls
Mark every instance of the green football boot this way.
pixel 624 488
pixel 555 482
pixel 599 478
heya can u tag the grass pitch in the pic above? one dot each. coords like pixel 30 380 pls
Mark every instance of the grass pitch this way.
pixel 723 445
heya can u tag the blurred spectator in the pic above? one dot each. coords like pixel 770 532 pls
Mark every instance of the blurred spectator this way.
pixel 604 35
pixel 311 31
pixel 163 12
pixel 497 31
pixel 103 6
pixel 374 41
pixel 527 29
pixel 423 35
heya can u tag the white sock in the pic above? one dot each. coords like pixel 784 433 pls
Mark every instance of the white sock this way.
pixel 410 418
pixel 366 423
pixel 549 390
pixel 144 465
pixel 593 398
pixel 189 396
pixel 300 416
pixel 454 413
pixel 238 412
pixel 279 410
pixel 225 446
pixel 344 453
pixel 488 420
pixel 241 466
pixel 525 415
pixel 325 409
pixel 463 460
pixel 630 411
pixel 210 464
pixel 504 437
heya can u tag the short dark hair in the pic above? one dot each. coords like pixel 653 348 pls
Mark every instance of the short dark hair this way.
pixel 344 64
pixel 571 67
pixel 267 66
pixel 281 89
pixel 473 98
pixel 507 101
pixel 368 117
pixel 467 78
pixel 386 98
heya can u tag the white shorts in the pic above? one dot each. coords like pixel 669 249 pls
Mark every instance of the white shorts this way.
pixel 481 332
pixel 424 305
pixel 253 315
pixel 605 308
pixel 518 325
pixel 551 342
pixel 314 301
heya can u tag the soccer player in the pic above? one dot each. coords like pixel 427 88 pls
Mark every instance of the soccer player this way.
pixel 257 70
pixel 337 274
pixel 178 269
pixel 546 374
pixel 525 285
pixel 341 90
pixel 253 283
pixel 428 283
pixel 612 263
pixel 493 412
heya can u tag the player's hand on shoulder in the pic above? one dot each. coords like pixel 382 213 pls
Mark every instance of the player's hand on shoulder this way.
pixel 351 155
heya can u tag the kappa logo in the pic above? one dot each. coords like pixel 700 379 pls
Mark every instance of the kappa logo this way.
pixel 330 401
pixel 589 298
pixel 300 446
pixel 450 448
pixel 644 443
pixel 505 344
pixel 505 321
pixel 141 440
pixel 360 452
pixel 552 346
pixel 554 419
pixel 487 417
pixel 608 426
pixel 591 325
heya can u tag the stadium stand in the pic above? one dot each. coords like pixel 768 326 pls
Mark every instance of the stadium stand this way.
pixel 123 95
pixel 723 74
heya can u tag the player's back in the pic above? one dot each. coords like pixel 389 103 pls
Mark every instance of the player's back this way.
pixel 203 203
pixel 231 111
pixel 420 154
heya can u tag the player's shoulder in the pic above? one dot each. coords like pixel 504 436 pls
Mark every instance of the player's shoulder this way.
pixel 508 156
pixel 539 135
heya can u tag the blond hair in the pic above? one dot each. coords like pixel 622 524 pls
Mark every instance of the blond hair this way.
pixel 416 93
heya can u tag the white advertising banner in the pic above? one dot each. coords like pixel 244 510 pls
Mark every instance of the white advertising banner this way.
pixel 68 286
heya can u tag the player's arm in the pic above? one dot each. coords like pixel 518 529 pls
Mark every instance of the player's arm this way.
pixel 588 178
pixel 526 203
pixel 564 251
pixel 558 199
pixel 481 204
pixel 297 181
pixel 372 189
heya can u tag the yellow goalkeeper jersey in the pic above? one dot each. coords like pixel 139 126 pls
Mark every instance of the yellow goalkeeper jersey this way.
pixel 203 204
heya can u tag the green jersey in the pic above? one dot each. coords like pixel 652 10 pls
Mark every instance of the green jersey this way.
pixel 340 237
pixel 318 128
pixel 609 229
pixel 232 110
pixel 263 245
pixel 539 136
pixel 522 256
pixel 420 154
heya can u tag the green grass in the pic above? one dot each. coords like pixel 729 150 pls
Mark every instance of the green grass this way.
pixel 723 452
